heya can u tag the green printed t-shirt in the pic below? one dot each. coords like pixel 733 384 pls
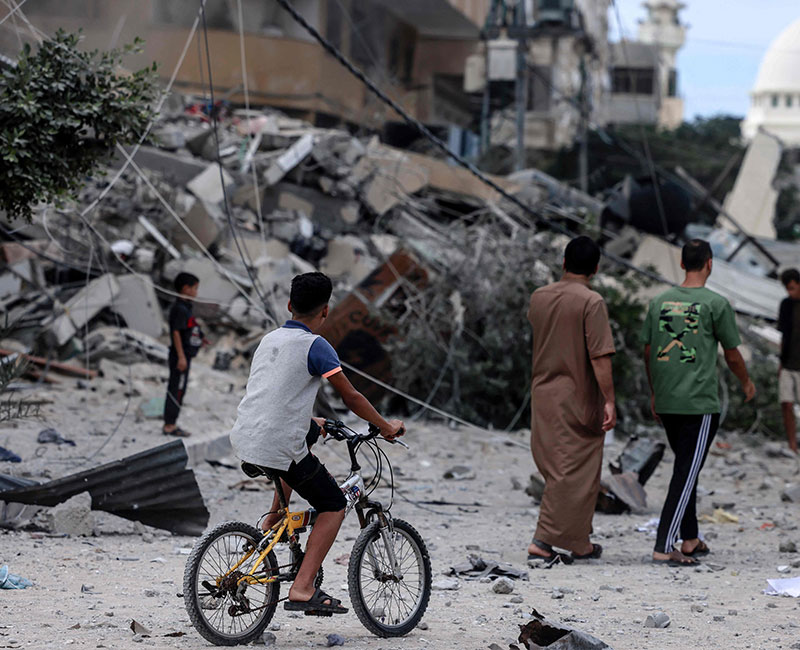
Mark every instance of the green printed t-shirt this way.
pixel 683 327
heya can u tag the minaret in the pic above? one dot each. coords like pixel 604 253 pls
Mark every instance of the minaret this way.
pixel 663 28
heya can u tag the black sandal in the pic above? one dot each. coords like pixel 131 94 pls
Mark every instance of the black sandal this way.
pixel 678 560
pixel 177 432
pixel 699 551
pixel 553 557
pixel 594 554
pixel 317 604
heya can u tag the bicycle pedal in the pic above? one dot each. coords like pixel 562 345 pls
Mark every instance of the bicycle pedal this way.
pixel 317 612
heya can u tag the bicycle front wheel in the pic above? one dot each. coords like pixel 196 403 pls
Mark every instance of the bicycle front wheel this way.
pixel 222 608
pixel 389 600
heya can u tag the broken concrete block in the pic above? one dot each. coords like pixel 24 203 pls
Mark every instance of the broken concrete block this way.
pixel 138 304
pixel 289 159
pixel 175 168
pixel 123 345
pixel 204 220
pixel 169 136
pixel 350 213
pixel 791 494
pixel 10 284
pixel 83 306
pixel 347 260
pixel 215 284
pixel 73 517
pixel 393 177
pixel 207 185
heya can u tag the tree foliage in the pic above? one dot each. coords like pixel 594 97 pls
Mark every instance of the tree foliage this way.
pixel 62 113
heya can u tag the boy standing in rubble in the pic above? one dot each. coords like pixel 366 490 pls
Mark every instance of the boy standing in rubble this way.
pixel 272 426
pixel 789 368
pixel 186 339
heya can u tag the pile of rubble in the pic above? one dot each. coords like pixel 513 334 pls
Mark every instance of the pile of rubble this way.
pixel 287 198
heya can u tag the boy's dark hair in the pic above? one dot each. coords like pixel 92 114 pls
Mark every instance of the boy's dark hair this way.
pixel 185 280
pixel 581 256
pixel 790 275
pixel 310 293
pixel 695 254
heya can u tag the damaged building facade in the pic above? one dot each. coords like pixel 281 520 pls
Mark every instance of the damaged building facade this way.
pixel 416 50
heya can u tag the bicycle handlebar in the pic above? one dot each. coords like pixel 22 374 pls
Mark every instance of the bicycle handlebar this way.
pixel 338 430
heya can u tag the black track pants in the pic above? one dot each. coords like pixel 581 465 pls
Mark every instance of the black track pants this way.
pixel 690 438
pixel 176 389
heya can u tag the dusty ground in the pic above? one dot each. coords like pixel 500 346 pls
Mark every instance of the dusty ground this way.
pixel 128 575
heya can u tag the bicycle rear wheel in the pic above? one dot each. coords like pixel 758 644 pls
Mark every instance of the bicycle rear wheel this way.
pixel 389 603
pixel 221 610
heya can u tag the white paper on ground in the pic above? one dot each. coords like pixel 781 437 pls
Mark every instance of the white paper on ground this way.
pixel 783 587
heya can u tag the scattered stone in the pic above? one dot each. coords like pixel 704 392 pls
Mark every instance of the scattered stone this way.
pixel 445 584
pixel 503 586
pixel 459 473
pixel 73 517
pixel 657 620
pixel 150 593
pixel 138 629
pixel 517 600
pixel 787 546
pixel 422 626
pixel 698 608
pixel 719 618
pixel 334 639
pixel 618 589
pixel 791 494
pixel 733 612
pixel 557 594
pixel 87 589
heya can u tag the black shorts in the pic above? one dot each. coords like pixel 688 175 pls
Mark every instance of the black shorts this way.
pixel 313 482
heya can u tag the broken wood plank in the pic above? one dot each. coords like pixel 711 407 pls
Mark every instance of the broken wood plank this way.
pixel 63 368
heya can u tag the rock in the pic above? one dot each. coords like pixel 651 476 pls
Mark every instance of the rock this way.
pixel 791 494
pixel 557 595
pixel 422 626
pixel 445 584
pixel 268 638
pixel 138 629
pixel 698 608
pixel 517 600
pixel 334 639
pixel 503 585
pixel 733 612
pixel 657 620
pixel 787 546
pixel 73 517
pixel 719 618
pixel 460 473
pixel 150 593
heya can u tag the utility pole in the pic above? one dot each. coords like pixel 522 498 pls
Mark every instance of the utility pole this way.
pixel 521 98
pixel 583 157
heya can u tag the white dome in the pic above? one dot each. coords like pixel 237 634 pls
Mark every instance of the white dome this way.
pixel 780 68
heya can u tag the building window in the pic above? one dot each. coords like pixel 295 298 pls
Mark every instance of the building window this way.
pixel 333 27
pixel 539 88
pixel 775 101
pixel 672 88
pixel 633 81
pixel 789 101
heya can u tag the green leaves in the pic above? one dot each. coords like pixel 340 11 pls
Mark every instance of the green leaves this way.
pixel 62 113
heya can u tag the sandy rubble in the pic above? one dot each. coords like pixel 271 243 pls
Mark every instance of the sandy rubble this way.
pixel 88 589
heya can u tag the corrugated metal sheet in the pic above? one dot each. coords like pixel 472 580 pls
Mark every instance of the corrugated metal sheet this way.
pixel 153 487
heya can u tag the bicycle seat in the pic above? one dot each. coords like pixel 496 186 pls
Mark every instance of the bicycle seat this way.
pixel 254 471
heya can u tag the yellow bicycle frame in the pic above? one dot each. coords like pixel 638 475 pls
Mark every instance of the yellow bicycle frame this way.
pixel 288 523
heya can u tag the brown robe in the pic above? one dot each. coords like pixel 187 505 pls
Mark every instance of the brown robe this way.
pixel 570 327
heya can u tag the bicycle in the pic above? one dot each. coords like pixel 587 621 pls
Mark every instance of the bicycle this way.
pixel 232 577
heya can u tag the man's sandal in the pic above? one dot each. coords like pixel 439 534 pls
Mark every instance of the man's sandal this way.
pixel 676 559
pixel 594 554
pixel 177 432
pixel 699 551
pixel 317 604
pixel 552 557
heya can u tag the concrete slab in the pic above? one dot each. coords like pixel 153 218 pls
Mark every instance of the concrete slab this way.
pixel 84 306
pixel 207 185
pixel 205 221
pixel 138 304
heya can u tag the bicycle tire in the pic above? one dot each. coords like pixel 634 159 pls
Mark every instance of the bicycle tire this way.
pixel 192 583
pixel 372 616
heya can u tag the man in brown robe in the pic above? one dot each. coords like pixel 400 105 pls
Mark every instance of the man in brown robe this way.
pixel 572 395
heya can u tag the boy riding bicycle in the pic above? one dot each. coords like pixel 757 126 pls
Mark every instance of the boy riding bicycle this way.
pixel 272 426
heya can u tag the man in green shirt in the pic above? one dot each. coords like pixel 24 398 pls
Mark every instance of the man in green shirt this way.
pixel 681 332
